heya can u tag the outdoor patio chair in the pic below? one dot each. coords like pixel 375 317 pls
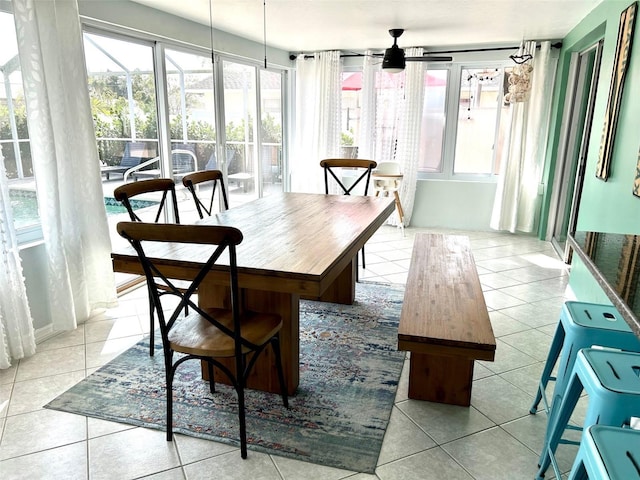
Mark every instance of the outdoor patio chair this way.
pixel 195 182
pixel 207 334
pixel 362 169
pixel 150 189
pixel 184 162
pixel 134 154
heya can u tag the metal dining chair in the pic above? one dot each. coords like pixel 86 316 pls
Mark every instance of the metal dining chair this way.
pixel 167 206
pixel 209 334
pixel 196 181
pixel 362 168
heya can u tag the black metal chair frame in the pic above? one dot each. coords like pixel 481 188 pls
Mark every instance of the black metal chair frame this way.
pixel 330 163
pixel 368 165
pixel 194 179
pixel 165 185
pixel 222 238
pixel 126 192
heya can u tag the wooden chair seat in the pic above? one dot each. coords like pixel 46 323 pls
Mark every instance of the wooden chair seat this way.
pixel 195 335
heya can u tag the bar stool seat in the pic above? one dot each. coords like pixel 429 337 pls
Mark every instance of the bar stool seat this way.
pixel 608 453
pixel 612 382
pixel 581 325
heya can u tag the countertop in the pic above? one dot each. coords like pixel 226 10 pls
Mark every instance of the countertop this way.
pixel 614 261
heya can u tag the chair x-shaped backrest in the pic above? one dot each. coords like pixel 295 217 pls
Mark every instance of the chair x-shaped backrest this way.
pixel 125 193
pixel 215 177
pixel 358 164
pixel 220 238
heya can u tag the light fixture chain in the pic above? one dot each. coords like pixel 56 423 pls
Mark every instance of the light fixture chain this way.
pixel 211 29
pixel 264 30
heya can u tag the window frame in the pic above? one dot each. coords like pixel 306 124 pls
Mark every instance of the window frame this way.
pixel 452 103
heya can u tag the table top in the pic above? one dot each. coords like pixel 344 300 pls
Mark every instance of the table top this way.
pixel 293 242
pixel 614 261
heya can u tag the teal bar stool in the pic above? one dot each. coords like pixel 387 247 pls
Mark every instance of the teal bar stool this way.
pixel 581 325
pixel 608 453
pixel 612 382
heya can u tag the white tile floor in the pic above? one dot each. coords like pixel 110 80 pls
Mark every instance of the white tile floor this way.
pixel 496 438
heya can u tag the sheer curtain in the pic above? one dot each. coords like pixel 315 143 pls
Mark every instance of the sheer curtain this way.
pixel 367 136
pixel 65 160
pixel 390 123
pixel 17 338
pixel 408 135
pixel 516 203
pixel 318 89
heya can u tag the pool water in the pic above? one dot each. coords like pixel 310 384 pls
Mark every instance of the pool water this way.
pixel 25 207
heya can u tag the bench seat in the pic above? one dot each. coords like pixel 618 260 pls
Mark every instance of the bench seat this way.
pixel 444 321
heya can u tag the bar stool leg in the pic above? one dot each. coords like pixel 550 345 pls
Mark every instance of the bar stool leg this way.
pixel 552 358
pixel 557 425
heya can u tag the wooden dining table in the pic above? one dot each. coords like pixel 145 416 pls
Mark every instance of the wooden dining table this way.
pixel 296 245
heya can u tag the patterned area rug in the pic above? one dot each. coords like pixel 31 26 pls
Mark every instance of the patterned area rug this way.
pixel 349 371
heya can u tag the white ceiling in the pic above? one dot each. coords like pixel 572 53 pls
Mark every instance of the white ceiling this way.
pixel 316 25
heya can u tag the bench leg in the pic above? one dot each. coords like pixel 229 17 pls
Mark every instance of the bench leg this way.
pixel 438 378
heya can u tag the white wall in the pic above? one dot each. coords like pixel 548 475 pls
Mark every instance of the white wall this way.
pixel 453 204
pixel 35 274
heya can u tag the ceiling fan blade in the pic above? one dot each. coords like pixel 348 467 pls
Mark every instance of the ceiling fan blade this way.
pixel 429 58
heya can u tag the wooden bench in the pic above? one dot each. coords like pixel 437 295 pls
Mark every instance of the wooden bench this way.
pixel 444 321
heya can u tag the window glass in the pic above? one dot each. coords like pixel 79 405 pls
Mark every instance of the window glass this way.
pixel 191 117
pixel 271 136
pixel 433 121
pixel 123 101
pixel 479 110
pixel 350 118
pixel 14 134
pixel 240 95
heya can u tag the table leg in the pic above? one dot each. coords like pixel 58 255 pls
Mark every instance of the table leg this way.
pixel 443 379
pixel 264 374
pixel 342 289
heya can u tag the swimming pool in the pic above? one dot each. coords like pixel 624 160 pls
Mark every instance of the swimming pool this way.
pixel 25 206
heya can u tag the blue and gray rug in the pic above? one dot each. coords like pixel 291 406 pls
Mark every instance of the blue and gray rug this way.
pixel 349 371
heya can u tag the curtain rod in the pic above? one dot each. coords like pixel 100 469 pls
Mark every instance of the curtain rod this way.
pixel 469 50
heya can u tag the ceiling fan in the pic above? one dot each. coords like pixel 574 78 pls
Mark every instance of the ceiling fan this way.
pixel 394 58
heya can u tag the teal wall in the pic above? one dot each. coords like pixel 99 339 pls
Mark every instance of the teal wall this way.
pixel 605 206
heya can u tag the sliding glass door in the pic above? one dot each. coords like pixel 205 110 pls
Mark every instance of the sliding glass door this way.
pixel 572 157
pixel 240 105
pixel 192 120
pixel 253 150
pixel 271 158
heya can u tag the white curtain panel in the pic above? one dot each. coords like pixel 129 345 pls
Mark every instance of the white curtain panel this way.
pixel 391 119
pixel 408 135
pixel 317 131
pixel 65 160
pixel 366 140
pixel 17 338
pixel 516 204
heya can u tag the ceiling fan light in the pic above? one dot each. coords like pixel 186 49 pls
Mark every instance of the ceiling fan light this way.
pixel 393 60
